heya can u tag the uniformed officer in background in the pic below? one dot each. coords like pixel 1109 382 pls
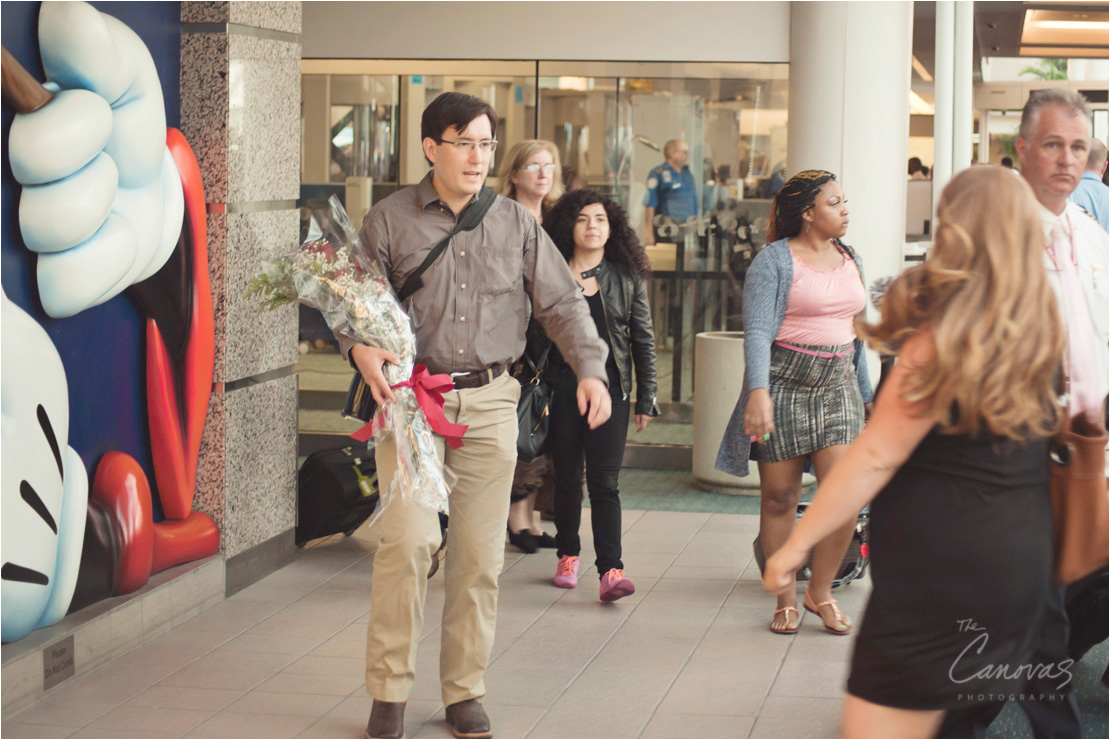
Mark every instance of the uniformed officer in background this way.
pixel 670 191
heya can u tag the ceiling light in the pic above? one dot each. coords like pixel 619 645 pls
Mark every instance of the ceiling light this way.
pixel 1050 27
pixel 921 71
pixel 1075 25
pixel 918 106
pixel 575 83
pixel 1062 52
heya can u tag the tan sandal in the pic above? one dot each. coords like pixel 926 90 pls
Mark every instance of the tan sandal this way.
pixel 789 630
pixel 838 617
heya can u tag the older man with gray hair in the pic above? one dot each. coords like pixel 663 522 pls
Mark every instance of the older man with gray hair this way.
pixel 1053 148
pixel 1092 195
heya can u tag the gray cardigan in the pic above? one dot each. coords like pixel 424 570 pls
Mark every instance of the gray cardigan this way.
pixel 766 290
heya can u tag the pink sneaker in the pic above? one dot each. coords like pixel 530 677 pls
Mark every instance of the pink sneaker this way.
pixel 566 572
pixel 615 586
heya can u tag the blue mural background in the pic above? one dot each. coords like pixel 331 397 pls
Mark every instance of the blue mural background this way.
pixel 101 348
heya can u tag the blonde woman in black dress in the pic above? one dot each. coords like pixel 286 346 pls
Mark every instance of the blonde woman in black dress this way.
pixel 955 458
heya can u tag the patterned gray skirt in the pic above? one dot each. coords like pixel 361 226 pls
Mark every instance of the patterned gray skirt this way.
pixel 816 399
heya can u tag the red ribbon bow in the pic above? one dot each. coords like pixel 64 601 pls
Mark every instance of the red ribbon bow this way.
pixel 429 391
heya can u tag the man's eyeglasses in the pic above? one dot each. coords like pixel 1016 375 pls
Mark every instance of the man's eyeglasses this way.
pixel 486 146
pixel 534 167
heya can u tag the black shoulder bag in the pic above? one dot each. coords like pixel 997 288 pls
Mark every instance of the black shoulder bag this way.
pixel 532 411
pixel 360 403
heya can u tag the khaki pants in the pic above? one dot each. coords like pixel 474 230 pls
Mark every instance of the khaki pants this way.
pixel 409 535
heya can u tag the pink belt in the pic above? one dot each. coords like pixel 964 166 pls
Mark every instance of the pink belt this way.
pixel 824 355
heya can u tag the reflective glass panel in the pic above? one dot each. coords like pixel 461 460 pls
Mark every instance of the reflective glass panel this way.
pixel 610 122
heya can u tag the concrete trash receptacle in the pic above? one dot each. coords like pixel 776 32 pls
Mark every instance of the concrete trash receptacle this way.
pixel 718 378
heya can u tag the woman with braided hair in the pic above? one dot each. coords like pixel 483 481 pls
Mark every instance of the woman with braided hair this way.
pixel 805 376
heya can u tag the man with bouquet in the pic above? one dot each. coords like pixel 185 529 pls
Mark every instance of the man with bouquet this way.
pixel 469 317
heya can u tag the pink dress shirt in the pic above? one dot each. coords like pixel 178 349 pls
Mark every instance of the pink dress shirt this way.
pixel 1083 394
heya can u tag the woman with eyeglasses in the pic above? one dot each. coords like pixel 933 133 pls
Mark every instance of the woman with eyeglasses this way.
pixel 612 270
pixel 531 176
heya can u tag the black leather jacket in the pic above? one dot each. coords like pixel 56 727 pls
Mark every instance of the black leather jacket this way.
pixel 631 337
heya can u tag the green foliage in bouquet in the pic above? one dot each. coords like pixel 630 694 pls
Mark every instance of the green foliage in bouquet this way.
pixel 275 287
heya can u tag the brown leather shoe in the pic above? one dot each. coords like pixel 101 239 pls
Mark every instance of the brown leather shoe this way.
pixel 468 719
pixel 387 720
pixel 438 557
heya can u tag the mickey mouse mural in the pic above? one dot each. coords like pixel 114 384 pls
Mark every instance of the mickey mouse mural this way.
pixel 111 202
pixel 44 486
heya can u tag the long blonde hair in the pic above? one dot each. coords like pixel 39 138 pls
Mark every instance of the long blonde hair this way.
pixel 518 156
pixel 984 294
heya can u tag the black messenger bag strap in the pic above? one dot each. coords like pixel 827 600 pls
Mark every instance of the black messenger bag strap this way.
pixel 470 218
pixel 360 402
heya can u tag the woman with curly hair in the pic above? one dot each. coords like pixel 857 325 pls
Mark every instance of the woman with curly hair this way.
pixel 611 267
pixel 805 376
pixel 955 458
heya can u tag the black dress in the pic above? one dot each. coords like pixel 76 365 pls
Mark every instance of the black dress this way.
pixel 961 546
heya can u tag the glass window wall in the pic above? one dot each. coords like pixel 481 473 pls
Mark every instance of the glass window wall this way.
pixel 610 121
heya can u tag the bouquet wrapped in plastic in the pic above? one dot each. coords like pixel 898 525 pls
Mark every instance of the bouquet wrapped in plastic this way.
pixel 348 287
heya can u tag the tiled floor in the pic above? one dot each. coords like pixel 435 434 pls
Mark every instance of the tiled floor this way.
pixel 689 655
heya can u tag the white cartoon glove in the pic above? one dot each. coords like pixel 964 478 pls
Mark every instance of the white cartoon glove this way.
pixel 102 202
pixel 43 485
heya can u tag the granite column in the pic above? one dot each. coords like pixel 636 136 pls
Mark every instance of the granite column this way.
pixel 240 110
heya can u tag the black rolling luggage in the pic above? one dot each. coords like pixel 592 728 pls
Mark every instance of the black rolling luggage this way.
pixel 337 490
pixel 855 561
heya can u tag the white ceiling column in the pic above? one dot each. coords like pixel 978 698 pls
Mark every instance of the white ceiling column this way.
pixel 849 113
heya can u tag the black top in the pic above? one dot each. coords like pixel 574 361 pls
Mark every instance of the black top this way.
pixel 627 331
pixel 597 311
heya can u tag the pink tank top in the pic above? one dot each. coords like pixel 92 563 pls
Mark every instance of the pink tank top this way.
pixel 822 304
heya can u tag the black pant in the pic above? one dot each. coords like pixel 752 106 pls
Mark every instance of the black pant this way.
pixel 1088 614
pixel 1054 712
pixel 570 441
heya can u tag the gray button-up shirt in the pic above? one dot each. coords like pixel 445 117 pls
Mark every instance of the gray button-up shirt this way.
pixel 473 309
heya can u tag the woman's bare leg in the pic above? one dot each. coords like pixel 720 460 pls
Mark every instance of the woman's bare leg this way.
pixel 861 718
pixel 780 490
pixel 531 503
pixel 829 552
pixel 520 514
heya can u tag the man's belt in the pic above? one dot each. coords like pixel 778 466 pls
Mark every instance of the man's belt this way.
pixel 477 378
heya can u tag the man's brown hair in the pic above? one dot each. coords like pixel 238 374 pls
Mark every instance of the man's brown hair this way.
pixel 454 110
